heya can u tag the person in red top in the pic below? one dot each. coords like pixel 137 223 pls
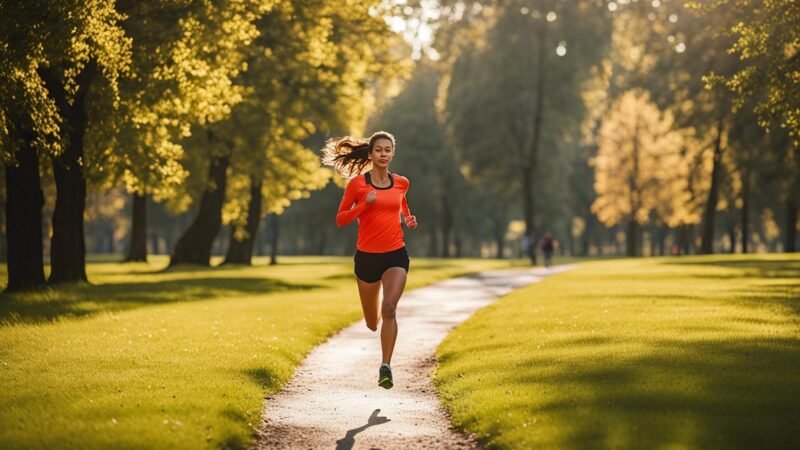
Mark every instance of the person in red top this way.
pixel 376 199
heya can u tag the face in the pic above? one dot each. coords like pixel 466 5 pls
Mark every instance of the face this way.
pixel 382 153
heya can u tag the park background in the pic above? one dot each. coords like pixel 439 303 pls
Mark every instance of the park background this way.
pixel 631 127
pixel 183 137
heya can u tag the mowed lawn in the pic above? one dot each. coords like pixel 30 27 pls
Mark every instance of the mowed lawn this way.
pixel 693 352
pixel 183 358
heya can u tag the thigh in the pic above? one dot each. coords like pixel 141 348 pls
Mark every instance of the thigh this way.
pixel 369 293
pixel 394 281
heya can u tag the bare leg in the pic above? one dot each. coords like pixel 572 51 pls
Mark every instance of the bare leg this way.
pixel 369 302
pixel 394 281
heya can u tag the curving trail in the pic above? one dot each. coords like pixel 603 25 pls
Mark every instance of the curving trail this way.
pixel 333 400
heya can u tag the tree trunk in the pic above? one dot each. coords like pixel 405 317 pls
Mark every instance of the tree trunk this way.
pixel 589 221
pixel 194 246
pixel 321 243
pixel 570 240
pixel 24 217
pixel 261 242
pixel 67 245
pixel 275 229
pixel 732 238
pixel 110 235
pixel 154 243
pixel 707 245
pixel 531 154
pixel 499 237
pixel 631 238
pixel 241 252
pixel 685 240
pixel 527 198
pixel 447 225
pixel 434 234
pixel 790 241
pixel 745 210
pixel 138 245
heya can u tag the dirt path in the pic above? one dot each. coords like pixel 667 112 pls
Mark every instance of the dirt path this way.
pixel 333 400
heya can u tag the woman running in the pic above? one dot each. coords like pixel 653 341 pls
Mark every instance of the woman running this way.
pixel 376 199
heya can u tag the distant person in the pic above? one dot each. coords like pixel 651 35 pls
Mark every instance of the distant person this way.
pixel 525 246
pixel 376 198
pixel 547 248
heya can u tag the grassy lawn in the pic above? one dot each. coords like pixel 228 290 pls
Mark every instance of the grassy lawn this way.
pixel 693 352
pixel 182 358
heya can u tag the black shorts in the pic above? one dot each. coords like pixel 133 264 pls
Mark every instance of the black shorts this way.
pixel 370 266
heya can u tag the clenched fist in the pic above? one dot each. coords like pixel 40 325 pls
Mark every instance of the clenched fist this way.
pixel 371 197
pixel 411 222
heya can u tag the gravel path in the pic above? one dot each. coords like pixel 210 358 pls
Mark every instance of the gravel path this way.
pixel 333 400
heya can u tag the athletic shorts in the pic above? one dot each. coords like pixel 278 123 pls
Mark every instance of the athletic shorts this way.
pixel 370 266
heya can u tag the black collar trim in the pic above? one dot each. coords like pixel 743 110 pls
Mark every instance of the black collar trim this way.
pixel 368 177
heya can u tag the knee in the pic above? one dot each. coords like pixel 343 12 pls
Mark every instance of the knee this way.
pixel 388 311
pixel 372 325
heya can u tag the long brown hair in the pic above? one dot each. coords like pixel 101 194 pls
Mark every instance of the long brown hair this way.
pixel 349 155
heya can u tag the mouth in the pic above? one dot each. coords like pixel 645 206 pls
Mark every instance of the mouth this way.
pixel 382 161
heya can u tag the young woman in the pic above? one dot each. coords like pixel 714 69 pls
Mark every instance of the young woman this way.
pixel 376 198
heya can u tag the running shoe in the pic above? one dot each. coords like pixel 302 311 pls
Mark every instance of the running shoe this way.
pixel 385 377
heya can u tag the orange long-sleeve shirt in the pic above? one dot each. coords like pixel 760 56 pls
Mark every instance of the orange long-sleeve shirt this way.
pixel 379 229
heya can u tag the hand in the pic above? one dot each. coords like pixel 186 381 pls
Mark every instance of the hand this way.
pixel 411 222
pixel 371 196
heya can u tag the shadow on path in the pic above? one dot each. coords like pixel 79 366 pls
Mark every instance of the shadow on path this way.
pixel 349 439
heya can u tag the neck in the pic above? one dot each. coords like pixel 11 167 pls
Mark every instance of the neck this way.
pixel 380 173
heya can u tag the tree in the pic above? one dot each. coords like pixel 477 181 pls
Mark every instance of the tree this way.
pixel 186 60
pixel 765 38
pixel 531 105
pixel 54 55
pixel 308 69
pixel 636 142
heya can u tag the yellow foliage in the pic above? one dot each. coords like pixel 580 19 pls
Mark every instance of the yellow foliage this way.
pixel 638 156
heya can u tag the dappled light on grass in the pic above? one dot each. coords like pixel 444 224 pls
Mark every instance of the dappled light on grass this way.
pixel 692 353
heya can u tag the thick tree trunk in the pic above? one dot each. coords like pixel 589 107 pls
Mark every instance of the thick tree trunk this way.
pixel 194 246
pixel 137 251
pixel 241 252
pixel 707 245
pixel 24 218
pixel 631 238
pixel 67 245
pixel 275 230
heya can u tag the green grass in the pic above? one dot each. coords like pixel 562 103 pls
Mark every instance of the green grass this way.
pixel 182 358
pixel 700 352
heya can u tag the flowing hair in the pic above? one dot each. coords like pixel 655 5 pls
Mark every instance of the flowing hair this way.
pixel 350 156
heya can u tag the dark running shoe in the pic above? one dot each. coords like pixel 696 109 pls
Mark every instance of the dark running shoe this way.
pixel 385 377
